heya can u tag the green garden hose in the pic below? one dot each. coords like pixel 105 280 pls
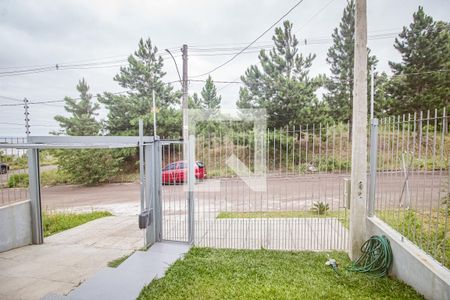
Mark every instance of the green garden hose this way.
pixel 376 258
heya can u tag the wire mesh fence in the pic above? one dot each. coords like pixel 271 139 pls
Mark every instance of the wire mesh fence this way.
pixel 303 207
pixel 13 172
pixel 413 182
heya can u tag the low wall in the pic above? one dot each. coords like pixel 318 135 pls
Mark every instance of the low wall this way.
pixel 15 225
pixel 412 265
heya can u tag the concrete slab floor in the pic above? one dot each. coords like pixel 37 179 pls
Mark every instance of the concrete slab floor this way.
pixel 67 259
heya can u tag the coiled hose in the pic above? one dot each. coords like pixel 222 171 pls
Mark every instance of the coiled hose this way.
pixel 376 258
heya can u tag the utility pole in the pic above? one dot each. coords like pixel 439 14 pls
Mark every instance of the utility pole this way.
pixel 27 119
pixel 358 206
pixel 184 103
pixel 372 92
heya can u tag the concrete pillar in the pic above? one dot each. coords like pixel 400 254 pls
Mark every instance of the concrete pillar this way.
pixel 358 207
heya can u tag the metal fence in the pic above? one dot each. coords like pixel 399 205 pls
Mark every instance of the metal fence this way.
pixel 13 172
pixel 303 207
pixel 413 182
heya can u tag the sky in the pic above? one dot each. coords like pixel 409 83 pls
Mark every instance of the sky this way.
pixel 46 33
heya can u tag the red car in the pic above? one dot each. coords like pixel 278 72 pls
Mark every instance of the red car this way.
pixel 176 172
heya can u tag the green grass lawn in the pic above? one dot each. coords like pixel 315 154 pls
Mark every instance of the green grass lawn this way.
pixel 207 273
pixel 429 231
pixel 57 222
pixel 340 215
pixel 116 262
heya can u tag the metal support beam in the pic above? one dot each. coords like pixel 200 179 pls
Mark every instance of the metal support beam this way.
pixel 153 191
pixel 141 164
pixel 191 182
pixel 149 205
pixel 35 196
pixel 373 165
pixel 157 189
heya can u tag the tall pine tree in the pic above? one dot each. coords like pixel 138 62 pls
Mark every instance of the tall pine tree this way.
pixel 85 166
pixel 82 113
pixel 143 74
pixel 422 78
pixel 209 98
pixel 281 84
pixel 341 59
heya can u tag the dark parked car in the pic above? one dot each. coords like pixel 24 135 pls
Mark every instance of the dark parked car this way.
pixel 4 168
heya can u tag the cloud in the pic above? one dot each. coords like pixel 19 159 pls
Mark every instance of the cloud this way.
pixel 48 32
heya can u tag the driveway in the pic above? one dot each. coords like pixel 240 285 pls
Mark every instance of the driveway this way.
pixel 67 259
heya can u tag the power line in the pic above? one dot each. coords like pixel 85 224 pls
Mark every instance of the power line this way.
pixel 11 98
pixel 216 81
pixel 315 15
pixel 254 41
pixel 59 100
pixel 93 64
pixel 23 124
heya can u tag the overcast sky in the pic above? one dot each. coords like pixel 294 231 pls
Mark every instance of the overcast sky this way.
pixel 45 32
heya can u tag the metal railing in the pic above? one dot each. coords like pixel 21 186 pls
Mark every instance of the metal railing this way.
pixel 413 180
pixel 13 172
pixel 303 207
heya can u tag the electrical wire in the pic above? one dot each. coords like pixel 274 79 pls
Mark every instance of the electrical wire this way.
pixel 249 45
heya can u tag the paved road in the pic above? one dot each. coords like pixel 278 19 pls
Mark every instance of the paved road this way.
pixel 232 194
pixel 283 193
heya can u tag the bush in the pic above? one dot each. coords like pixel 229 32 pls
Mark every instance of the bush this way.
pixel 88 166
pixel 18 180
pixel 54 177
pixel 320 208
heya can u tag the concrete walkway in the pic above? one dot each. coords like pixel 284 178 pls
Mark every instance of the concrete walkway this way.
pixel 67 259
pixel 127 280
pixel 293 234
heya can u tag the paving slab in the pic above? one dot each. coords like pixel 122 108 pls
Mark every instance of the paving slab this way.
pixel 67 259
pixel 127 280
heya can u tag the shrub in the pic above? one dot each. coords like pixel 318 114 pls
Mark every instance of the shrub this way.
pixel 88 166
pixel 54 177
pixel 18 180
pixel 320 207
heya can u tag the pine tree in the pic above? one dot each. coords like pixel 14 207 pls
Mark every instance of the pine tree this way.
pixel 210 99
pixel 282 84
pixel 84 166
pixel 143 74
pixel 341 59
pixel 421 79
pixel 83 111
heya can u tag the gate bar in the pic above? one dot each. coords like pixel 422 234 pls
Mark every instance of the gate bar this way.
pixel 373 166
pixel 35 196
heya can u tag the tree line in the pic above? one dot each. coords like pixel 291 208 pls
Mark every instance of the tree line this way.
pixel 281 83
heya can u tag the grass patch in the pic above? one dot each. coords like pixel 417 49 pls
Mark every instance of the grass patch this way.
pixel 426 230
pixel 57 222
pixel 342 216
pixel 115 263
pixel 54 177
pixel 18 180
pixel 48 178
pixel 207 273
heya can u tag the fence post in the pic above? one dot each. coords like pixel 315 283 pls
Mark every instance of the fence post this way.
pixel 191 186
pixel 35 196
pixel 157 188
pixel 373 165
